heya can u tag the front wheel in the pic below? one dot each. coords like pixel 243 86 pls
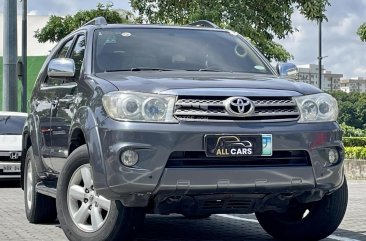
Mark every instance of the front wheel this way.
pixel 85 215
pixel 307 222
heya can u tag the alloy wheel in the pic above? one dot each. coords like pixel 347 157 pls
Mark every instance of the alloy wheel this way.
pixel 87 209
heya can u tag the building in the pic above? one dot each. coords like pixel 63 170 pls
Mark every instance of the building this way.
pixel 309 73
pixel 331 81
pixel 34 48
pixel 357 84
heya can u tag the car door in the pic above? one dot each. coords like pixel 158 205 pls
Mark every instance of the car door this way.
pixel 63 111
pixel 42 103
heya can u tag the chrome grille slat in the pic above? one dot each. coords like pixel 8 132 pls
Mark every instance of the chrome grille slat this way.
pixel 213 109
pixel 197 103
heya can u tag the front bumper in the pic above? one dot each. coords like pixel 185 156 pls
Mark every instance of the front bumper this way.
pixel 155 143
pixel 9 170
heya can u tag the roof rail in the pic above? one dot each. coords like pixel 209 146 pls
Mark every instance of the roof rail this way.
pixel 204 23
pixel 97 21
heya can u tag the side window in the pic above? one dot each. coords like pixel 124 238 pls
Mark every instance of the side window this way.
pixel 63 52
pixel 78 55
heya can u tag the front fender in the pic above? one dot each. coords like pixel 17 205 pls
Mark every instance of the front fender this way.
pixel 85 121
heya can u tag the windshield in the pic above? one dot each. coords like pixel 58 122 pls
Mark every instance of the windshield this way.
pixel 137 49
pixel 11 125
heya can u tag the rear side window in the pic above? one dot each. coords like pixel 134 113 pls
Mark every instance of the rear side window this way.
pixel 11 125
pixel 78 54
pixel 63 52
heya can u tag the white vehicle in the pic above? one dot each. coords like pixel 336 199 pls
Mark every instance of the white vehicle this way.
pixel 11 127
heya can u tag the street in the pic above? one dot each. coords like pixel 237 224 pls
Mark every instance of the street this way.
pixel 14 225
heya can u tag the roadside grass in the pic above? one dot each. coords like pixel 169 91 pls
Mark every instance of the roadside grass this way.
pixel 34 65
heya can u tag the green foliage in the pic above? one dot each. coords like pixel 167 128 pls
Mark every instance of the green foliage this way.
pixel 350 131
pixel 361 31
pixel 352 111
pixel 58 27
pixel 354 141
pixel 259 20
pixel 355 152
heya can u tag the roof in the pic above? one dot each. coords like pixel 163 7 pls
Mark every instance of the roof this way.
pixel 11 113
pixel 151 26
pixel 101 22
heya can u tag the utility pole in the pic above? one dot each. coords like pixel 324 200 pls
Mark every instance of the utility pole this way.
pixel 320 51
pixel 24 57
pixel 10 100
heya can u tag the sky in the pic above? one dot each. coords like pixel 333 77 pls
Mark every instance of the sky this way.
pixel 346 53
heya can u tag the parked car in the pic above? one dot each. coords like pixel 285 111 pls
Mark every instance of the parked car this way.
pixel 133 119
pixel 11 127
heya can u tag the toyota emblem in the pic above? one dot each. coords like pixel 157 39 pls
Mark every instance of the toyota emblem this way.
pixel 239 106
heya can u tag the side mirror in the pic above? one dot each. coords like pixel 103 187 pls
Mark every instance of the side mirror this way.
pixel 61 68
pixel 288 70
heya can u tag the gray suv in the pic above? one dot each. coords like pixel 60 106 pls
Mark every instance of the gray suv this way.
pixel 128 120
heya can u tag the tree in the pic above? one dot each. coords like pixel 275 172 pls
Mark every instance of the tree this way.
pixel 361 31
pixel 259 20
pixel 352 110
pixel 58 27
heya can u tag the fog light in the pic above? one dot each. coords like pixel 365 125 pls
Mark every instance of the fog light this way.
pixel 129 158
pixel 333 156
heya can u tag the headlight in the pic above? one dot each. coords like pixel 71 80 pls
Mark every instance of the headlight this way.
pixel 317 108
pixel 134 106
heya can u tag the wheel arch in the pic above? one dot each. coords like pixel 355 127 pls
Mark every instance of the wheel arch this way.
pixel 84 130
pixel 77 139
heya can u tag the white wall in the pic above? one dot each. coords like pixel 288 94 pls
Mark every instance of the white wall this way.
pixel 34 48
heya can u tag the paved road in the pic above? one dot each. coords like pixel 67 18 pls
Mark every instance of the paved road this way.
pixel 14 225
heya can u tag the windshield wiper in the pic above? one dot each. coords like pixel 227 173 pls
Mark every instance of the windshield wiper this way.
pixel 149 69
pixel 140 69
pixel 209 69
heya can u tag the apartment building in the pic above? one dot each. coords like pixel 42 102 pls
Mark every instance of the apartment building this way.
pixel 357 84
pixel 331 81
pixel 309 73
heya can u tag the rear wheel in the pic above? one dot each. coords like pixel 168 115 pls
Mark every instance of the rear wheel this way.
pixel 39 208
pixel 85 215
pixel 307 222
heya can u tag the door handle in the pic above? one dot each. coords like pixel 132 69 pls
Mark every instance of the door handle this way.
pixel 68 99
pixel 54 104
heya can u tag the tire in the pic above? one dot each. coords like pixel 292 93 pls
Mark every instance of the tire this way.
pixel 39 208
pixel 322 219
pixel 100 219
pixel 199 216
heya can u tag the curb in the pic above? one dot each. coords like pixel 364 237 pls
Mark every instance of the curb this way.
pixel 355 169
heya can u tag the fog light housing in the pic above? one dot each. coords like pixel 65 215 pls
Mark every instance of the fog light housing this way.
pixel 333 156
pixel 129 158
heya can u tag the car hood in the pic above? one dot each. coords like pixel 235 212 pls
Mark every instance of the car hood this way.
pixel 178 82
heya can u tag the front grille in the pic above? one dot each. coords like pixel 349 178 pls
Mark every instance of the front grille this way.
pixel 188 108
pixel 8 159
pixel 194 159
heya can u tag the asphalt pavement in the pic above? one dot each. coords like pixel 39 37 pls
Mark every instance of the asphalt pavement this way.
pixel 14 225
